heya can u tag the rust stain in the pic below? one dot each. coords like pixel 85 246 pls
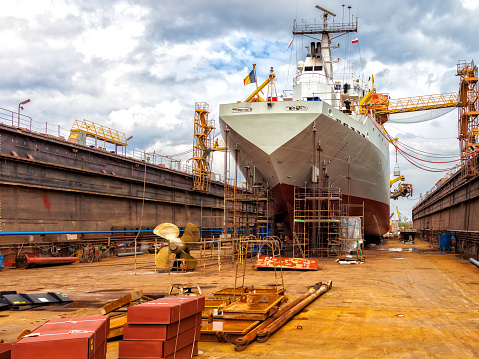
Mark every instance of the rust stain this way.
pixel 46 202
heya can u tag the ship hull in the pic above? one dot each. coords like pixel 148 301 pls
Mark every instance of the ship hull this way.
pixel 278 147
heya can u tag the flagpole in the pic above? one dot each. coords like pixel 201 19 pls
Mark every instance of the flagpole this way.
pixel 255 79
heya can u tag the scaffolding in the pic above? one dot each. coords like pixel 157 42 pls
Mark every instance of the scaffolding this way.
pixel 317 220
pixel 202 144
pixel 468 117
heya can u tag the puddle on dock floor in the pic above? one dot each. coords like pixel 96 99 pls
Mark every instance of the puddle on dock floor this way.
pixel 411 250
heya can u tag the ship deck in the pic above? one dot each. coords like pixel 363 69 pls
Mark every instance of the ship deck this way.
pixel 405 301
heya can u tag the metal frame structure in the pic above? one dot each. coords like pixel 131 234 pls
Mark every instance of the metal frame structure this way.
pixel 243 252
pixel 97 131
pixel 317 218
pixel 419 103
pixel 202 144
pixel 468 117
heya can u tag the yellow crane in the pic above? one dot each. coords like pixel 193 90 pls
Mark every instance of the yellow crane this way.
pixel 255 97
pixel 400 217
pixel 393 181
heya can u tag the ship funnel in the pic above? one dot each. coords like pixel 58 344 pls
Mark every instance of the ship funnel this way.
pixel 313 49
pixel 318 49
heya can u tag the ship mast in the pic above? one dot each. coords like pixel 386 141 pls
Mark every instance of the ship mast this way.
pixel 325 29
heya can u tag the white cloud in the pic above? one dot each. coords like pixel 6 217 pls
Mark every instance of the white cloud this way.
pixel 118 38
pixel 470 4
pixel 163 116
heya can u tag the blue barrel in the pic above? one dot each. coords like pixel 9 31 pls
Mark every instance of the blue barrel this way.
pixel 445 241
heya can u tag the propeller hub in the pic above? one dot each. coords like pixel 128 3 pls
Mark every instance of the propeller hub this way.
pixel 176 245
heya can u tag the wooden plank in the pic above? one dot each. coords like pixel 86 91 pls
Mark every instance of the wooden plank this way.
pixel 120 302
pixel 117 324
pixel 115 332
pixel 118 321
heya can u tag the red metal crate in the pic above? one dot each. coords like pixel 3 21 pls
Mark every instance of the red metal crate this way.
pixel 5 350
pixel 157 348
pixel 83 337
pixel 160 331
pixel 165 310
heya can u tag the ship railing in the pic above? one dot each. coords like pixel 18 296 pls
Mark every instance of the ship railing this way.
pixel 309 77
pixel 438 184
pixel 168 162
pixel 351 77
pixel 304 28
pixel 18 120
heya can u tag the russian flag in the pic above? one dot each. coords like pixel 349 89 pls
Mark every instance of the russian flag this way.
pixel 355 41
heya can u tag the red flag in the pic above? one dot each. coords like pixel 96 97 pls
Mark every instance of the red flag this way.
pixel 355 41
pixel 290 43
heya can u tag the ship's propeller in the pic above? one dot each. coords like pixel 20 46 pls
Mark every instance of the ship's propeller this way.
pixel 176 245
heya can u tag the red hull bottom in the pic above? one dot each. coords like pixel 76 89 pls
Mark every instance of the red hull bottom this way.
pixel 376 214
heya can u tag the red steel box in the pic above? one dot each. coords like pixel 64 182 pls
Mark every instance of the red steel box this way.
pixel 166 310
pixel 157 348
pixel 72 338
pixel 184 353
pixel 160 331
pixel 5 350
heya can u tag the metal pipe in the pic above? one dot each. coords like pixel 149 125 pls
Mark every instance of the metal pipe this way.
pixel 128 254
pixel 242 343
pixel 66 232
pixel 81 232
pixel 23 261
pixel 264 334
pixel 473 261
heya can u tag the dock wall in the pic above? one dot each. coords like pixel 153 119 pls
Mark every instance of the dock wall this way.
pixel 49 184
pixel 453 207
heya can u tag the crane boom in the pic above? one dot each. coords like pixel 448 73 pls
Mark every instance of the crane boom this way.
pixel 419 103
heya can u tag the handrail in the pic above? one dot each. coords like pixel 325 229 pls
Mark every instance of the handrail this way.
pixel 14 119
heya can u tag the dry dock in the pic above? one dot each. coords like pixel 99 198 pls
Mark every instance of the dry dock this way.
pixel 405 301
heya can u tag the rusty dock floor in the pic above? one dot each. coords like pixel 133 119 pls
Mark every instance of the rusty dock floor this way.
pixel 405 301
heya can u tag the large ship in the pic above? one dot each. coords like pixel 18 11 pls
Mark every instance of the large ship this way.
pixel 276 141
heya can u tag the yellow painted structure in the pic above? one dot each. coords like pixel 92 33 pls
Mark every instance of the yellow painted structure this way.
pixel 418 103
pixel 100 132
pixel 202 145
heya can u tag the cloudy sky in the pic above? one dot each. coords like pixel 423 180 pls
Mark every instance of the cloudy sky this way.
pixel 140 66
